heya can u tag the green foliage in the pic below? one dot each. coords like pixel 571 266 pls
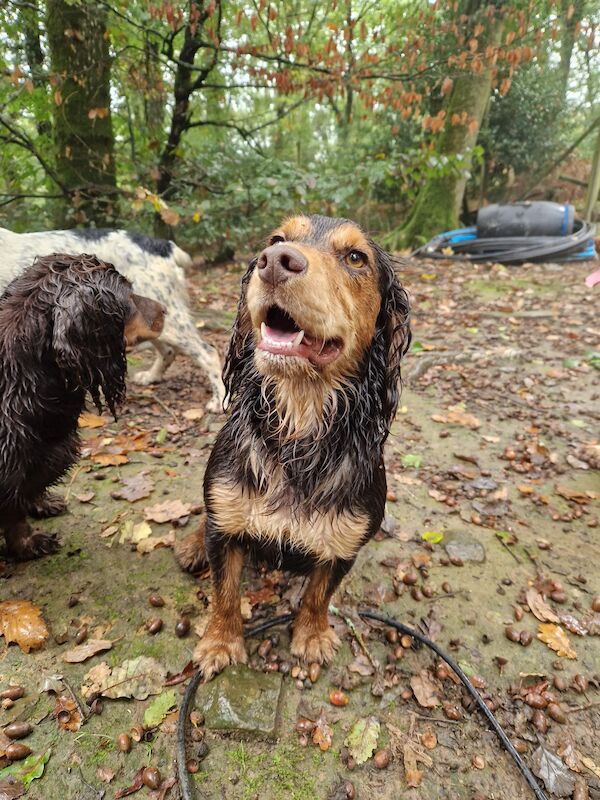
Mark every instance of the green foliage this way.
pixel 287 107
pixel 526 128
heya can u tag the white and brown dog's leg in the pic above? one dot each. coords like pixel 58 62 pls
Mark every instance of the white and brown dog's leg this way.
pixel 313 639
pixel 164 356
pixel 223 641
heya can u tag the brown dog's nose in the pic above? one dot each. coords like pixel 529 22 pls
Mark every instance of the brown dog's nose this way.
pixel 279 262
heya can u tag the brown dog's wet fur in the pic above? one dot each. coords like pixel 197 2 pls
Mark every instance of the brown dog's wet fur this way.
pixel 296 475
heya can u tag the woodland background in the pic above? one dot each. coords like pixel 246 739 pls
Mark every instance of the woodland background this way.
pixel 207 121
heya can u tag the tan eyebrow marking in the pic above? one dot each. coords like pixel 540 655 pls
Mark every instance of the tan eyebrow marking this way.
pixel 349 237
pixel 298 227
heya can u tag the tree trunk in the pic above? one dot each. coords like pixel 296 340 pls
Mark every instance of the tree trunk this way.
pixel 187 81
pixel 29 20
pixel 438 203
pixel 83 132
pixel 571 15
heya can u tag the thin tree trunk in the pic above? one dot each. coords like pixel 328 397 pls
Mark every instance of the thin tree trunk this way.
pixel 438 204
pixel 29 20
pixel 187 81
pixel 83 132
pixel 571 14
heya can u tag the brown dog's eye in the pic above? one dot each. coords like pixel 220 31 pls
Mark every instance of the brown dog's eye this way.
pixel 276 238
pixel 356 259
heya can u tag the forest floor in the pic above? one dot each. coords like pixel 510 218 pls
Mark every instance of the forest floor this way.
pixel 491 535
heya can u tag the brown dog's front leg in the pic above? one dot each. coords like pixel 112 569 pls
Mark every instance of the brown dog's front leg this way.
pixel 223 642
pixel 23 544
pixel 313 639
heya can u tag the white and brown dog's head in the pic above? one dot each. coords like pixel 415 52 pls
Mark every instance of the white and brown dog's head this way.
pixel 319 306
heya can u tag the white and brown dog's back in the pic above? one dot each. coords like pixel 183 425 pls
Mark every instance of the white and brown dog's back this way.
pixel 155 267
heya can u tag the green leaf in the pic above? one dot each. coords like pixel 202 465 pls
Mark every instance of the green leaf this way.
pixel 571 363
pixel 593 360
pixel 472 330
pixel 433 537
pixel 161 436
pixel 28 770
pixel 466 667
pixel 412 460
pixel 362 739
pixel 579 423
pixel 159 708
pixel 416 347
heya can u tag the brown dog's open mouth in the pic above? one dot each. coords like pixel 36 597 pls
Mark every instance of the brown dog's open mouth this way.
pixel 282 336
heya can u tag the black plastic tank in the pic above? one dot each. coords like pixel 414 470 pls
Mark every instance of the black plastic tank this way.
pixel 539 218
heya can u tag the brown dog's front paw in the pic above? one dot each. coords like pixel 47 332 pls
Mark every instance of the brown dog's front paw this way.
pixel 190 551
pixel 48 504
pixel 311 644
pixel 34 545
pixel 214 654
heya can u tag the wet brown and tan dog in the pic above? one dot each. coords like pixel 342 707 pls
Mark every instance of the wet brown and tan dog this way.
pixel 296 475
pixel 64 325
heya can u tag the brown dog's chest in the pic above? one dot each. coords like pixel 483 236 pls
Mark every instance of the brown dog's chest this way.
pixel 327 535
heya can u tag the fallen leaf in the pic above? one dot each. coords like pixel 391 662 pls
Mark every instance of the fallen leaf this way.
pixel 572 624
pixel 182 676
pixel 589 764
pixel 86 650
pixel 412 460
pixel 361 665
pixel 21 622
pixel 105 774
pixel 193 414
pixel 412 775
pixel 137 677
pixel 134 787
pixel 66 713
pixel 424 689
pixel 362 739
pixel 134 533
pixel 539 608
pixel 87 420
pixel 109 459
pixel 575 494
pixel 163 789
pixel 135 487
pixel 556 639
pixel 28 770
pixel 159 708
pixel 10 788
pixel 85 497
pixel 557 779
pixel 152 542
pixel 433 537
pixel 168 511
pixel 322 734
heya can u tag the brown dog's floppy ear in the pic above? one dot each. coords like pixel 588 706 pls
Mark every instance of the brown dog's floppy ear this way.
pixel 88 326
pixel 241 345
pixel 393 325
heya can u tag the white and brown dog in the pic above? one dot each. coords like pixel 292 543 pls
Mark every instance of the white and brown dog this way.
pixel 155 267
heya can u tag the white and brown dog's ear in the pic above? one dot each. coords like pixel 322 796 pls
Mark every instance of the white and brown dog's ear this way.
pixel 241 345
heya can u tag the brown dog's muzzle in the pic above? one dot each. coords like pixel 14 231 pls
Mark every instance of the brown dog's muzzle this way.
pixel 278 263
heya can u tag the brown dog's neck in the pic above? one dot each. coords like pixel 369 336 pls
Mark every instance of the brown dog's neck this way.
pixel 303 408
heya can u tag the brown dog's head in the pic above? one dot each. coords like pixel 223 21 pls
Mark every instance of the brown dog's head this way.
pixel 321 304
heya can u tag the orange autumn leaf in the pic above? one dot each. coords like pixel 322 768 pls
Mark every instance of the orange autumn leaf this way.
pixel 21 622
pixel 556 639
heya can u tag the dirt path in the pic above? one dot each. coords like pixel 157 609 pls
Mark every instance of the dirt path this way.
pixel 492 531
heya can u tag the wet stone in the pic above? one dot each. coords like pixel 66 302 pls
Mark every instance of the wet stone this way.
pixel 464 546
pixel 242 700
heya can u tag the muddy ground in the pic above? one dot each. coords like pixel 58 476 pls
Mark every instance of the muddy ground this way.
pixel 492 532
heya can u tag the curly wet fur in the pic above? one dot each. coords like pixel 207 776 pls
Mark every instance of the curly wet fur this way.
pixel 303 490
pixel 61 335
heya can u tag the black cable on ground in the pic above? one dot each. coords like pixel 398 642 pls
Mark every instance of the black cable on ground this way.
pixel 507 744
pixel 509 249
pixel 190 692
